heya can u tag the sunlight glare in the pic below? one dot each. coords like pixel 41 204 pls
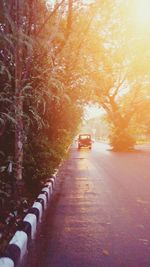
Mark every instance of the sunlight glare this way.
pixel 142 10
pixel 92 111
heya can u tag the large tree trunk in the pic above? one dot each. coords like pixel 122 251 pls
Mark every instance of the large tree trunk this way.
pixel 120 139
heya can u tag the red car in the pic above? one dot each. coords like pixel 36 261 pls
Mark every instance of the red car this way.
pixel 84 140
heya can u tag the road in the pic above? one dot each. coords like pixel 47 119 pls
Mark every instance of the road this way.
pixel 100 212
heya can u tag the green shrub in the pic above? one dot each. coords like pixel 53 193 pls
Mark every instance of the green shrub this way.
pixel 42 155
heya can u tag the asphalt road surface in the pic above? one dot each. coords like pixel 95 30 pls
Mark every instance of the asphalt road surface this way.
pixel 100 212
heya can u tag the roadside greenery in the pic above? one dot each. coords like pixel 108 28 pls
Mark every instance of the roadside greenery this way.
pixel 40 104
pixel 38 98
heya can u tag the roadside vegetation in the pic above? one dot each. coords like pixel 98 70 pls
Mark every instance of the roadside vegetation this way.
pixel 55 57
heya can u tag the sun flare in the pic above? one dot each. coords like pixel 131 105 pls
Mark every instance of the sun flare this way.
pixel 142 9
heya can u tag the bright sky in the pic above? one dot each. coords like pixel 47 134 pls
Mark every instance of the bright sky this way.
pixel 92 111
pixel 142 11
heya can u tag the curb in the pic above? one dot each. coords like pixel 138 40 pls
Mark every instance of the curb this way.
pixel 18 245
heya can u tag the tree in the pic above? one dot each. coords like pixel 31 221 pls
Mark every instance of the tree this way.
pixel 37 75
pixel 114 73
pixel 22 29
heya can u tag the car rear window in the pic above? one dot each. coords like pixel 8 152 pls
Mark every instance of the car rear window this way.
pixel 84 137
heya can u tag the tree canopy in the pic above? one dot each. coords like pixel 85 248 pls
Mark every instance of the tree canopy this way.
pixel 55 57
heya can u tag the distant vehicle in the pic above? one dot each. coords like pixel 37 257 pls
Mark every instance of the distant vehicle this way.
pixel 84 140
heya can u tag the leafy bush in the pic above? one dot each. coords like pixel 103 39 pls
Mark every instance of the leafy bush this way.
pixel 40 160
pixel 42 155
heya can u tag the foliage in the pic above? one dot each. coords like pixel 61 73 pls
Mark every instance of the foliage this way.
pixel 39 108
pixel 117 82
pixel 30 97
pixel 45 149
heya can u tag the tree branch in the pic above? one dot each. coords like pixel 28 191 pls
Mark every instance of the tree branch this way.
pixel 49 17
